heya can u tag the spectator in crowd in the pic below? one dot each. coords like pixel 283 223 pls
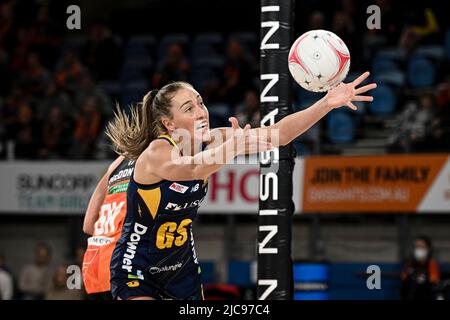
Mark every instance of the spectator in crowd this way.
pixel 7 24
pixel 20 51
pixel 420 23
pixel 6 281
pixel 9 113
pixel 237 75
pixel 88 126
pixel 44 37
pixel 421 122
pixel 102 54
pixel 55 135
pixel 248 111
pixel 5 73
pixel 60 289
pixel 69 74
pixel 412 124
pixel 89 89
pixel 35 278
pixel 421 272
pixel 54 97
pixel 345 27
pixel 388 33
pixel 35 77
pixel 317 20
pixel 27 139
pixel 175 67
pixel 439 137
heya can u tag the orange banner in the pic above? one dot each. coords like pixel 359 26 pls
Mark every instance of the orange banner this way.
pixel 368 184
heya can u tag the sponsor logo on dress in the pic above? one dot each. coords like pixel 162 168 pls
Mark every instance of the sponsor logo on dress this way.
pixel 195 188
pixel 175 267
pixel 178 187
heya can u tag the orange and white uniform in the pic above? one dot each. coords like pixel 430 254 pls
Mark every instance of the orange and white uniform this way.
pixel 108 227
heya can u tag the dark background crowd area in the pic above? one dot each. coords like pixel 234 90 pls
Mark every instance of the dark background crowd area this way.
pixel 59 87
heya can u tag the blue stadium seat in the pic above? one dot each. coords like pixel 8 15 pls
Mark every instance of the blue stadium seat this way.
pixel 239 273
pixel 433 52
pixel 112 88
pixel 362 107
pixel 140 46
pixel 248 40
pixel 306 98
pixel 208 44
pixel 341 127
pixel 142 41
pixel 380 65
pixel 201 76
pixel 212 38
pixel 203 50
pixel 219 112
pixel 353 75
pixel 141 63
pixel 384 100
pixel 206 70
pixel 247 37
pixel 176 38
pixel 133 92
pixel 394 53
pixel 209 62
pixel 132 74
pixel 421 72
pixel 393 77
pixel 301 148
pixel 208 271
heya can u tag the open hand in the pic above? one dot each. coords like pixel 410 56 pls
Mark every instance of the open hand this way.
pixel 249 141
pixel 345 93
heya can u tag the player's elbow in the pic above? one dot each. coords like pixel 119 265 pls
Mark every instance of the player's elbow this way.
pixel 88 228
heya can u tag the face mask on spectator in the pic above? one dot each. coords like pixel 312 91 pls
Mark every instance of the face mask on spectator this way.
pixel 420 254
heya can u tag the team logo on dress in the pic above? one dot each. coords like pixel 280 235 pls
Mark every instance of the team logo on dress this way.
pixel 178 187
pixel 195 188
pixel 138 275
pixel 133 284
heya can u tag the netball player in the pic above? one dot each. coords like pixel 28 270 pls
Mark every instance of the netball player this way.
pixel 155 256
pixel 103 222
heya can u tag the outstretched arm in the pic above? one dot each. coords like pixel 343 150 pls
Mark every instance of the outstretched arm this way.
pixel 295 124
pixel 163 161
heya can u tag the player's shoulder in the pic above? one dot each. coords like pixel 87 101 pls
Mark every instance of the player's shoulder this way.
pixel 157 145
pixel 155 151
pixel 115 164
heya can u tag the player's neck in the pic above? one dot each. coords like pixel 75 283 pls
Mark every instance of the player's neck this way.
pixel 189 148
